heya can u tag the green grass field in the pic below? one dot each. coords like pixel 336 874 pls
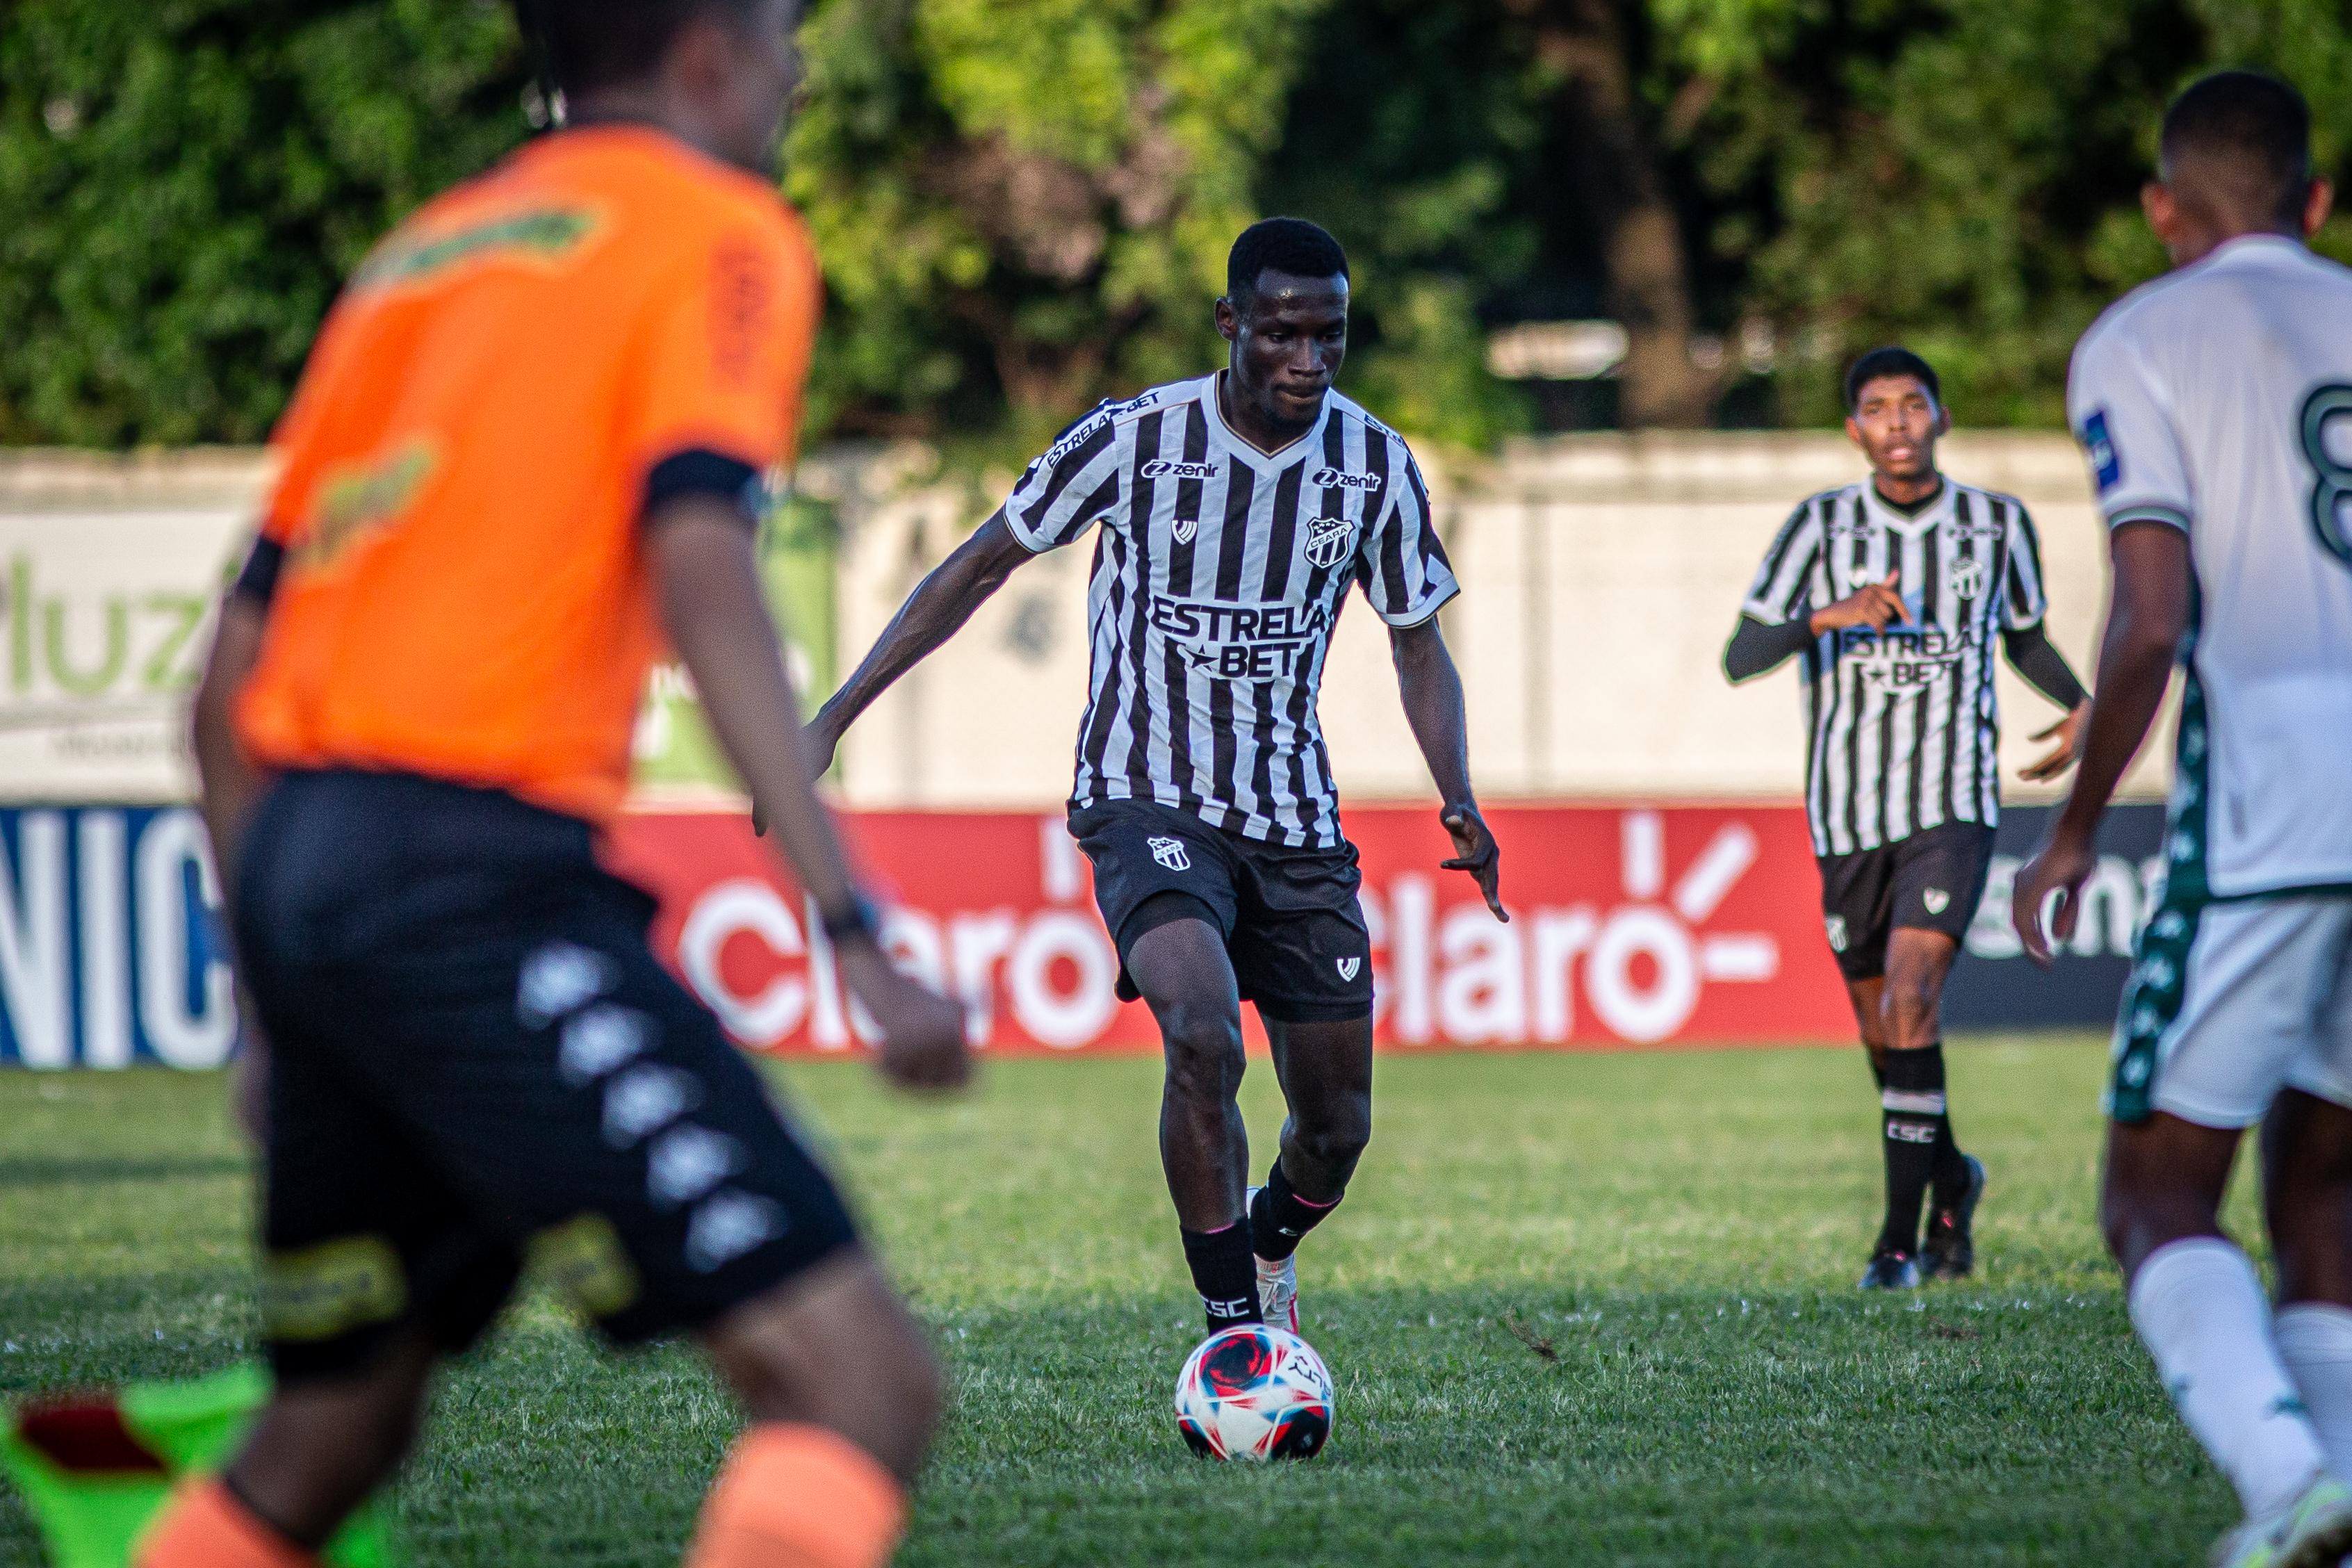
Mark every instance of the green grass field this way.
pixel 1677 1235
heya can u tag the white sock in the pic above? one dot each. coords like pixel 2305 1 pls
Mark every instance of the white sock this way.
pixel 2315 1340
pixel 2200 1310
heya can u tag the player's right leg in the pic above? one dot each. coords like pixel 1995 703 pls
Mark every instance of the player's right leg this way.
pixel 2220 1016
pixel 1857 912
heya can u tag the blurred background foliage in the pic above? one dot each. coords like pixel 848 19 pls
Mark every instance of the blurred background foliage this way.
pixel 1025 204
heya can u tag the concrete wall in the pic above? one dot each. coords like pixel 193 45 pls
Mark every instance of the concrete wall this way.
pixel 1600 576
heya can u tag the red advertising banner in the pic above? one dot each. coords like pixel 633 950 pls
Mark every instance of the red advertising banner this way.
pixel 1676 925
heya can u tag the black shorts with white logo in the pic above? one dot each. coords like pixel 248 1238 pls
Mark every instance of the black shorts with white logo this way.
pixel 476 1067
pixel 1931 881
pixel 1291 923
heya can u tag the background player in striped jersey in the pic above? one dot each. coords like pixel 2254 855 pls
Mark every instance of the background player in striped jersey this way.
pixel 2216 407
pixel 1236 512
pixel 1892 591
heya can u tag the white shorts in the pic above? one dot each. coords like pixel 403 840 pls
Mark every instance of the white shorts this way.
pixel 2230 1003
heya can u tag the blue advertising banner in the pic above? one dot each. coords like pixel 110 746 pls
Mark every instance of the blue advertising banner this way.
pixel 1995 985
pixel 108 953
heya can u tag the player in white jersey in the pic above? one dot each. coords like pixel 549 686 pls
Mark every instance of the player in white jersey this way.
pixel 1231 516
pixel 2216 407
pixel 1895 592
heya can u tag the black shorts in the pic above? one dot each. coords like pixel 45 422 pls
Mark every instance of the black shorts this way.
pixel 476 1065
pixel 1930 881
pixel 1291 922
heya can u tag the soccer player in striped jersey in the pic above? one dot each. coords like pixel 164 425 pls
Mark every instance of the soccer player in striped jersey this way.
pixel 1893 591
pixel 1232 514
pixel 2216 407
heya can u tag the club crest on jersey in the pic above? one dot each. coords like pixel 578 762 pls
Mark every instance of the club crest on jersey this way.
pixel 1166 468
pixel 1170 852
pixel 1184 527
pixel 1968 577
pixel 1336 480
pixel 1348 967
pixel 1327 539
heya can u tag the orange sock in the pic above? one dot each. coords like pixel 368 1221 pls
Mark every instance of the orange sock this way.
pixel 204 1526
pixel 794 1496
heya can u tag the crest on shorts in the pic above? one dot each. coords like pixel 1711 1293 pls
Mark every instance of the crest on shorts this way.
pixel 1327 539
pixel 1968 577
pixel 1835 926
pixel 1348 967
pixel 1170 852
pixel 1936 898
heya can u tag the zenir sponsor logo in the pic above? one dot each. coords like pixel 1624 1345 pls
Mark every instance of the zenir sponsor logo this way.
pixel 1336 480
pixel 1162 468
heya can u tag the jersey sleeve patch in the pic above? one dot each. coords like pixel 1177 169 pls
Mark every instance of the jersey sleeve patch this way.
pixel 2106 463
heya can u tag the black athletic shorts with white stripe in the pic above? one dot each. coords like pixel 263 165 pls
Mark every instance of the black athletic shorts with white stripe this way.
pixel 1292 926
pixel 477 1065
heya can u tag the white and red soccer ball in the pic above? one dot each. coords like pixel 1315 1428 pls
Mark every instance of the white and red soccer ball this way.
pixel 1255 1392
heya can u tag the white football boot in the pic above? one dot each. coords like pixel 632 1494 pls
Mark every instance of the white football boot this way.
pixel 2314 1530
pixel 1277 1283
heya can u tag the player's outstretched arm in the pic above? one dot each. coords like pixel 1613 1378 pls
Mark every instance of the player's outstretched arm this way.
pixel 2143 629
pixel 702 556
pixel 933 612
pixel 1431 689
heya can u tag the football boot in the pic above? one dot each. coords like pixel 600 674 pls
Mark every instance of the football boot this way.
pixel 2311 1530
pixel 1951 1249
pixel 1890 1271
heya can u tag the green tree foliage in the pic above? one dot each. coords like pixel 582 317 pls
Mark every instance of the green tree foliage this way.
pixel 1023 205
pixel 184 184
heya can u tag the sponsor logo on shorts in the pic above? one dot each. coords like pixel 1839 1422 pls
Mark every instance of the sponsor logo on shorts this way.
pixel 1170 852
pixel 1163 469
pixel 319 1292
pixel 646 1099
pixel 687 1162
pixel 1327 539
pixel 559 978
pixel 1968 577
pixel 584 1258
pixel 1936 898
pixel 1348 967
pixel 1835 926
pixel 727 1224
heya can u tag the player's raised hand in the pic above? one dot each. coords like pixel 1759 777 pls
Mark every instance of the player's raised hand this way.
pixel 2062 865
pixel 2068 732
pixel 922 1032
pixel 1874 605
pixel 1475 851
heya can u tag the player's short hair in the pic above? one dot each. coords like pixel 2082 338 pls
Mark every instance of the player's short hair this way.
pixel 2250 136
pixel 1289 245
pixel 1890 361
pixel 592 44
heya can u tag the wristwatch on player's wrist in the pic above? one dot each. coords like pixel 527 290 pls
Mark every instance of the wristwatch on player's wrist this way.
pixel 858 919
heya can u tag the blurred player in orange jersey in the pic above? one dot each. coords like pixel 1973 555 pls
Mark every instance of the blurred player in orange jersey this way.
pixel 528 441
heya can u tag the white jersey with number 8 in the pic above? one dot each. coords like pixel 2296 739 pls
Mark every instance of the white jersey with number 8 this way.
pixel 2218 400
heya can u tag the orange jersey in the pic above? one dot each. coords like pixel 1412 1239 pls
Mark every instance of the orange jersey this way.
pixel 464 591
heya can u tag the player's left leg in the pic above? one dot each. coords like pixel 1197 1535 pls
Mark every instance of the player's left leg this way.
pixel 1939 877
pixel 1326 1072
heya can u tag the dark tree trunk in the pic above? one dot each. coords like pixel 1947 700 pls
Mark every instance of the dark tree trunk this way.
pixel 1617 172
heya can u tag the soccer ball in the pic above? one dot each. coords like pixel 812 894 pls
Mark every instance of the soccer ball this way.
pixel 1255 1392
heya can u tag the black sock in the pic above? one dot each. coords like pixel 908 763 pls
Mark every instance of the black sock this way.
pixel 1951 1164
pixel 1280 1216
pixel 1225 1273
pixel 1912 1115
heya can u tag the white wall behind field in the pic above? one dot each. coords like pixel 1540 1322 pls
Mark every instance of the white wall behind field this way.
pixel 1600 577
pixel 1600 574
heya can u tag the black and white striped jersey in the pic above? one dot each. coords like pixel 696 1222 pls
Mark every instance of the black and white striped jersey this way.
pixel 1218 576
pixel 1904 730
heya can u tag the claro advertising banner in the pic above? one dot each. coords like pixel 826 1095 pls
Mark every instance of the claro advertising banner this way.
pixel 1631 926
